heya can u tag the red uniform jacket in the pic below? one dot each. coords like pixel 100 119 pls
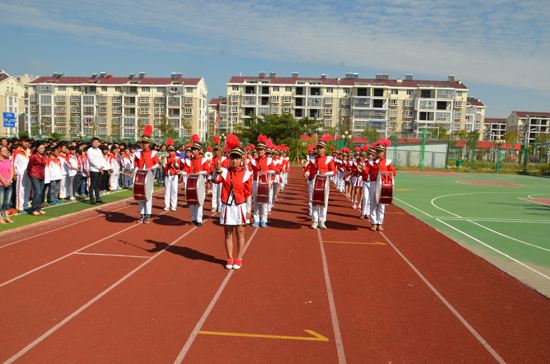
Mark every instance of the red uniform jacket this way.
pixel 262 164
pixel 196 165
pixel 236 182
pixel 323 165
pixel 383 165
pixel 172 165
pixel 37 166
pixel 146 159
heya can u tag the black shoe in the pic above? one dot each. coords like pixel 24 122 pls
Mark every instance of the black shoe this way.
pixel 199 224
pixel 194 222
pixel 93 202
pixel 100 201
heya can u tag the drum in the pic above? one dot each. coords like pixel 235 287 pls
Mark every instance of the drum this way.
pixel 195 191
pixel 320 190
pixel 384 188
pixel 264 187
pixel 143 185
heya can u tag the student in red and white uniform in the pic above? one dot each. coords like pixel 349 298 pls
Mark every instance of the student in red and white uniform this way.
pixel 54 168
pixel 322 165
pixel 365 168
pixel 146 159
pixel 23 184
pixel 236 182
pixel 355 178
pixel 217 157
pixel 71 160
pixel 380 166
pixel 172 172
pixel 115 168
pixel 261 165
pixel 197 165
pixel 107 168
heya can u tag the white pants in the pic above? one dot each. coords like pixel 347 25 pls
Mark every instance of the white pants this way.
pixel 146 207
pixel 23 189
pixel 63 187
pixel 216 196
pixel 376 210
pixel 340 181
pixel 365 199
pixel 310 193
pixel 319 213
pixel 272 194
pixel 114 181
pixel 260 209
pixel 196 212
pixel 171 191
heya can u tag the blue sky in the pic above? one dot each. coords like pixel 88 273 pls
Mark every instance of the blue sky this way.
pixel 499 48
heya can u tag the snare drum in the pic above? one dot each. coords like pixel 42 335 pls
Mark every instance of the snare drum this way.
pixel 384 188
pixel 320 191
pixel 195 189
pixel 143 185
pixel 264 187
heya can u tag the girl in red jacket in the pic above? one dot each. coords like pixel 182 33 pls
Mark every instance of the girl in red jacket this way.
pixel 236 188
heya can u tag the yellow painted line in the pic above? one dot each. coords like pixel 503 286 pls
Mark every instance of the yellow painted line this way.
pixel 314 335
pixel 354 242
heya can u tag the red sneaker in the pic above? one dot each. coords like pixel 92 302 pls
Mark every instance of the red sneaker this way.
pixel 229 264
pixel 237 263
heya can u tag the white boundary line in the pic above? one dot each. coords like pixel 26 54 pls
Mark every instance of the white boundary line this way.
pixel 527 200
pixel 113 255
pixel 183 352
pixel 411 206
pixel 492 219
pixel 62 323
pixel 71 253
pixel 496 250
pixel 509 237
pixel 453 310
pixel 332 306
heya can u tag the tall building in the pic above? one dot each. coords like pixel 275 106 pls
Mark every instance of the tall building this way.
pixel 495 128
pixel 217 116
pixel 118 107
pixel 12 100
pixel 475 116
pixel 351 103
pixel 529 125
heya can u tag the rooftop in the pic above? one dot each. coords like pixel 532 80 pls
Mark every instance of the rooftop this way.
pixel 532 114
pixel 495 120
pixel 113 80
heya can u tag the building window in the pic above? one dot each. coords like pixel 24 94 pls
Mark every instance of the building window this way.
pixel 394 92
pixel 329 90
pixel 188 111
pixel 393 102
pixel 118 88
pixel 288 89
pixel 328 122
pixel 328 111
pixel 409 92
pixel 61 88
pixel 234 88
pixel 104 88
pixel 146 89
pixel 189 90
pixel 275 88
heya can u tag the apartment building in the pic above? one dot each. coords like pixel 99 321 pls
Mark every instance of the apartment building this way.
pixel 495 128
pixel 475 116
pixel 217 116
pixel 351 103
pixel 118 107
pixel 529 125
pixel 12 100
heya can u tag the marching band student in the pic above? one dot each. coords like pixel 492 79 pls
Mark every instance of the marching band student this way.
pixel 171 177
pixel 262 165
pixel 216 187
pixel 310 159
pixel 23 184
pixel 185 163
pixel 236 182
pixel 355 178
pixel 197 165
pixel 322 165
pixel 380 166
pixel 364 168
pixel 146 159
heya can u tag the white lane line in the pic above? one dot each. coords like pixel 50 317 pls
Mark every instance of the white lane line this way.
pixel 533 201
pixel 411 206
pixel 332 306
pixel 113 255
pixel 492 219
pixel 71 253
pixel 496 250
pixel 62 323
pixel 62 227
pixel 432 202
pixel 509 237
pixel 183 352
pixel 454 311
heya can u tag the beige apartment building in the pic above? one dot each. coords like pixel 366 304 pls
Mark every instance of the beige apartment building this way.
pixel 217 116
pixel 12 100
pixel 495 128
pixel 475 116
pixel 402 105
pixel 529 125
pixel 117 107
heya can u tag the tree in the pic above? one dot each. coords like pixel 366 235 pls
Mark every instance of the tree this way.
pixel 167 130
pixel 442 134
pixel 510 137
pixel 56 137
pixel 371 134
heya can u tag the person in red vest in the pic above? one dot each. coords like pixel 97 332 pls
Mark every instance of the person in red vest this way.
pixel 380 166
pixel 217 157
pixel 236 182
pixel 262 165
pixel 171 177
pixel 146 159
pixel 197 165
pixel 322 165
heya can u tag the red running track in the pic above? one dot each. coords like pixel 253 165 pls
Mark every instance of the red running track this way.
pixel 124 292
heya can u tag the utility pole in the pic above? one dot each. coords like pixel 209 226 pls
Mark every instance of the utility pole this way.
pixel 423 148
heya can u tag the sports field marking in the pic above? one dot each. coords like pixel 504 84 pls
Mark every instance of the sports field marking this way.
pixel 496 250
pixel 413 207
pixel 183 352
pixel 62 323
pixel 314 336
pixel 61 227
pixel 432 202
pixel 332 306
pixel 492 219
pixel 533 200
pixel 71 253
pixel 509 237
pixel 353 242
pixel 454 311
pixel 113 255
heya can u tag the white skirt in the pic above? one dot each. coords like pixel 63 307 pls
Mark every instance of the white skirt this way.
pixel 356 181
pixel 233 215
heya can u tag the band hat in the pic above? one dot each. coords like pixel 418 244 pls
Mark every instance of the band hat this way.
pixel 146 135
pixel 262 142
pixel 196 142
pixel 323 142
pixel 382 145
pixel 233 143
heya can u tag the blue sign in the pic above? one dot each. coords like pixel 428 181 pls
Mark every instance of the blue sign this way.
pixel 9 120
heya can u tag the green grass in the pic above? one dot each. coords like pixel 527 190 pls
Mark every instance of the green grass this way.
pixel 520 240
pixel 65 208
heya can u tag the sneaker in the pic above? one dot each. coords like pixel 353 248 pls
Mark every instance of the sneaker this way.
pixel 322 226
pixel 373 228
pixel 199 224
pixel 255 224
pixel 166 208
pixel 100 201
pixel 314 225
pixel 146 220
pixel 35 213
pixel 173 209
pixel 194 222
pixel 237 264
pixel 72 198
pixel 229 264
pixel 380 228
pixel 263 224
pixel 42 212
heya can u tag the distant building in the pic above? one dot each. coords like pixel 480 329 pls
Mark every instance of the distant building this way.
pixel 12 100
pixel 529 125
pixel 495 128
pixel 217 116
pixel 107 106
pixel 475 116
pixel 350 103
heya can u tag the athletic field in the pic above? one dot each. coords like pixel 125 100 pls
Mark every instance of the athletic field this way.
pixel 503 218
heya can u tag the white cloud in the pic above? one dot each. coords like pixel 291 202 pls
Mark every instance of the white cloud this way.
pixel 498 42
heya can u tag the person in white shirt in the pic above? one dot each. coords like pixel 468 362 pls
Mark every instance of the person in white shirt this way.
pixel 23 182
pixel 96 163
